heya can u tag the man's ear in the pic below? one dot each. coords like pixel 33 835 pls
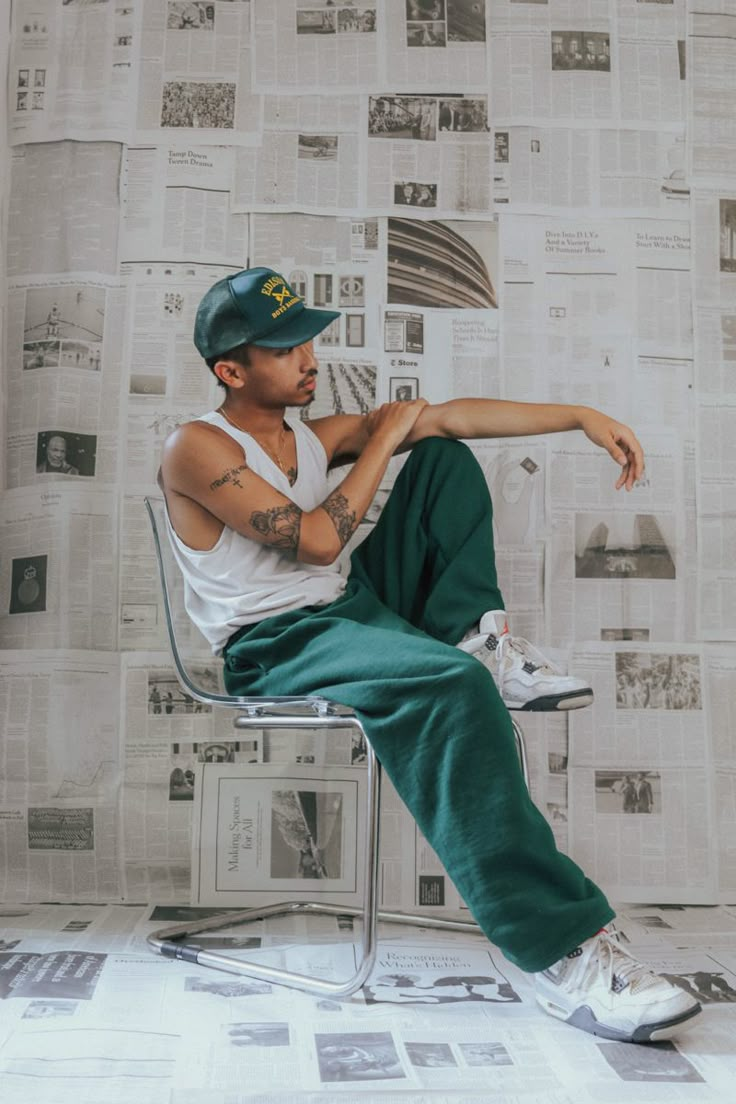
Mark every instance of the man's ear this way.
pixel 230 372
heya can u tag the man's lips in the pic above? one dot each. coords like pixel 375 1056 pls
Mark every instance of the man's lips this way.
pixel 309 384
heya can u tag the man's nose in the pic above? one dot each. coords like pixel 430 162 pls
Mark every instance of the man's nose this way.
pixel 309 360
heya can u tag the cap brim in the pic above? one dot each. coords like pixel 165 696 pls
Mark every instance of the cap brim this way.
pixel 307 324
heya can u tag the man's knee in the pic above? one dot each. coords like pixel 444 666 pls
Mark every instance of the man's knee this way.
pixel 468 677
pixel 442 447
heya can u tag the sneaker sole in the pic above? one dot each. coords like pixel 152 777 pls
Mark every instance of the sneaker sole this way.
pixel 574 699
pixel 584 1019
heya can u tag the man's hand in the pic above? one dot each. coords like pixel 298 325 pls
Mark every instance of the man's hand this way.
pixel 619 441
pixel 394 420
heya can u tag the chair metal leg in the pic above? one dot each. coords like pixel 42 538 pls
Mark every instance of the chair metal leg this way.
pixel 168 941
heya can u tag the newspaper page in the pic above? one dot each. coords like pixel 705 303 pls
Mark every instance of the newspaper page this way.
pixel 544 66
pixel 714 269
pixel 619 561
pixel 716 496
pixel 54 186
pixel 628 170
pixel 64 344
pixel 304 45
pixel 176 205
pixel 60 775
pixel 166 734
pixel 260 833
pixel 641 796
pixel 570 291
pixel 720 673
pixel 711 116
pixel 430 153
pixel 71 70
pixel 714 217
pixel 194 73
pixel 617 65
pixel 429 44
pixel 309 157
pixel 59 587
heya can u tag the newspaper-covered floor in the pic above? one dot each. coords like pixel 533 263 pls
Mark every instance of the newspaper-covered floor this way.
pixel 89 1013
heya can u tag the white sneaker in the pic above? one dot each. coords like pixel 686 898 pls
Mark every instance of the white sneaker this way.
pixel 601 988
pixel 525 678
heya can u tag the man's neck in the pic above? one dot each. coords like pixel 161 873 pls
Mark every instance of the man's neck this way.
pixel 258 421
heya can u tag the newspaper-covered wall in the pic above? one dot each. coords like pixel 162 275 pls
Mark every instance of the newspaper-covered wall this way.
pixel 581 164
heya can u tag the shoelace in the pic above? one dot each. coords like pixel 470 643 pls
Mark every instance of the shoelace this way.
pixel 607 960
pixel 508 643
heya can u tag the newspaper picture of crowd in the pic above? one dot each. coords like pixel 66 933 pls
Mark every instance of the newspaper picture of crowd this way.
pixel 198 104
pixel 650 680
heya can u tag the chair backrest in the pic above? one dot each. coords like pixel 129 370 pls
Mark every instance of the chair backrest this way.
pixel 178 625
pixel 183 635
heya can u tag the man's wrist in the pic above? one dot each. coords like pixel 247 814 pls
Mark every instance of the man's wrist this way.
pixel 580 413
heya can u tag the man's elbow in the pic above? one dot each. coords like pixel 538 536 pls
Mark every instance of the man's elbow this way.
pixel 321 548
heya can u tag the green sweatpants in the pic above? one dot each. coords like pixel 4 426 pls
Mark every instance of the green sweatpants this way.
pixel 432 713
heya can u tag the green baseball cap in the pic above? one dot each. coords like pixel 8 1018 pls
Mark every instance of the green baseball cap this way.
pixel 255 306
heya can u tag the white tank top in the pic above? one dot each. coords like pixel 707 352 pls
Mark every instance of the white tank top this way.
pixel 240 581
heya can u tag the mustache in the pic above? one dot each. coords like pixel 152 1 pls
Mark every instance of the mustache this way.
pixel 311 374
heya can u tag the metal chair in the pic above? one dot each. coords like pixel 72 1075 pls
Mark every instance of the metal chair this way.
pixel 285 712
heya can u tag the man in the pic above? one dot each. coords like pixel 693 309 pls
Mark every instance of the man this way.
pixel 644 794
pixel 56 460
pixel 257 534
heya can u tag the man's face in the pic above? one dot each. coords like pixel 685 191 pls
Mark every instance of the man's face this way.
pixel 56 452
pixel 286 376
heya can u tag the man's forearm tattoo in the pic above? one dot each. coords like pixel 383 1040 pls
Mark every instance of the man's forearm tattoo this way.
pixel 280 526
pixel 230 475
pixel 345 520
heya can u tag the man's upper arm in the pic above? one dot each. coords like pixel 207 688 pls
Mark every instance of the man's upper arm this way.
pixel 343 436
pixel 209 467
